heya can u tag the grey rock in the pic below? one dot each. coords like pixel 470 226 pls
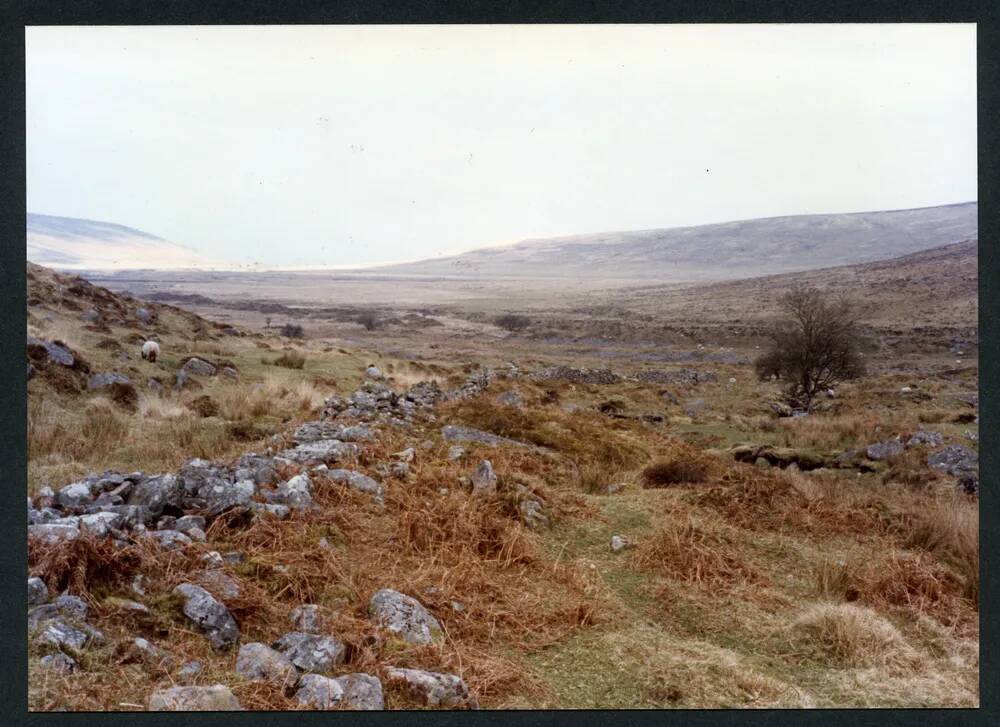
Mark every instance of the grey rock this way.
pixel 924 437
pixel 221 496
pixel 484 479
pixel 404 616
pixel 258 661
pixel 456 452
pixel 74 495
pixel 296 492
pixel 54 532
pixel 323 451
pixel 307 618
pixel 216 698
pixel 59 662
pixel 208 614
pixel 71 606
pixel 101 523
pixel 170 539
pixel 152 653
pixel 156 493
pixel 618 543
pixel 56 353
pixel 357 481
pixel 356 691
pixel 432 688
pixel 63 635
pixel 373 372
pixel 38 592
pixel 281 512
pixel 459 433
pixel 399 470
pixel 955 460
pixel 99 381
pixel 190 670
pixel 532 514
pixel 198 367
pixel 311 652
pixel 144 315
pixel 189 522
pixel 883 450
pixel 217 582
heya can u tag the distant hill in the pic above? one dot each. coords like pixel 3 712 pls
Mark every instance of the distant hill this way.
pixel 741 249
pixel 69 243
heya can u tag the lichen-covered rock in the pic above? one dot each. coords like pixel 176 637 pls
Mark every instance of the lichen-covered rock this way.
pixel 532 514
pixel 322 451
pixel 355 691
pixel 216 698
pixel 152 654
pixel 484 479
pixel 198 367
pixel 59 662
pixel 62 634
pixel 155 493
pixel 38 593
pixel 884 450
pixel 171 539
pixel 955 460
pixel 56 531
pixel 307 618
pixel 74 495
pixel 432 688
pixel 311 652
pixel 209 615
pixel 357 481
pixel 459 433
pixel 260 662
pixel 99 381
pixel 924 437
pixel 101 523
pixel 404 616
pixel 295 492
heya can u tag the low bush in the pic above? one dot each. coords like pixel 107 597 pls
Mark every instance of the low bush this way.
pixel 291 360
pixel 674 471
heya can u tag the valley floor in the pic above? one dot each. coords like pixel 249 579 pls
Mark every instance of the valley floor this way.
pixel 731 584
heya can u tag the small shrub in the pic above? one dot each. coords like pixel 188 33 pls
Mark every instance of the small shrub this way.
pixel 512 322
pixel 291 360
pixel 292 330
pixel 370 320
pixel 124 395
pixel 674 471
pixel 244 431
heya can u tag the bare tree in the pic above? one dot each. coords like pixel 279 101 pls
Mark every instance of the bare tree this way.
pixel 814 347
pixel 267 320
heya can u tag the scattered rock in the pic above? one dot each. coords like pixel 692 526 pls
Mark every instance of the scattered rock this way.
pixel 356 691
pixel 618 543
pixel 484 479
pixel 37 591
pixel 458 433
pixel 432 688
pixel 357 481
pixel 955 460
pixel 59 662
pixel 532 514
pixel 694 407
pixel 259 661
pixel 198 367
pixel 189 670
pixel 405 616
pixel 931 439
pixel 99 381
pixel 311 652
pixel 884 450
pixel 208 614
pixel 577 376
pixel 456 452
pixel 216 698
pixel 307 618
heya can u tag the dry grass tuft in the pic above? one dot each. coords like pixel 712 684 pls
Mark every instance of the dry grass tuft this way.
pixel 291 360
pixel 852 636
pixel 689 553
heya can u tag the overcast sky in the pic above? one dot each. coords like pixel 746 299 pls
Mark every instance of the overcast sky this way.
pixel 343 145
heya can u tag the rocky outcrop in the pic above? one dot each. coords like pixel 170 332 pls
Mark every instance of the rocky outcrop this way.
pixel 216 698
pixel 354 691
pixel 432 688
pixel 209 615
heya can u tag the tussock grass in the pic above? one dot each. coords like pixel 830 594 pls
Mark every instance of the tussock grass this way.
pixel 291 360
pixel 853 636
pixel 675 471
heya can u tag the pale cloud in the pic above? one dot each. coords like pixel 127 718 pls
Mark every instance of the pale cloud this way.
pixel 341 145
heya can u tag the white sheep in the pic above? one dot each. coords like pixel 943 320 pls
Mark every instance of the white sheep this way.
pixel 150 350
